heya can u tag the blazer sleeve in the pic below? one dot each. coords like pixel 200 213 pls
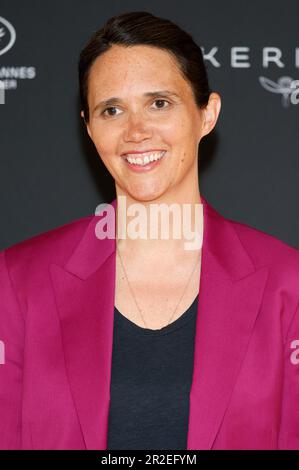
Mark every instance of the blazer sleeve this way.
pixel 11 361
pixel 289 425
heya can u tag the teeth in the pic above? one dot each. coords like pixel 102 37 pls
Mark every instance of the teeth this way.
pixel 145 158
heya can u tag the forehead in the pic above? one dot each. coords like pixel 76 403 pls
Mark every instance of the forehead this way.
pixel 135 68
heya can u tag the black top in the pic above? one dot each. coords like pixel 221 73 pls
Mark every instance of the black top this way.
pixel 151 378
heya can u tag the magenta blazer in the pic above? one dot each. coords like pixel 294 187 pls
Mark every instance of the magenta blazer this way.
pixel 56 331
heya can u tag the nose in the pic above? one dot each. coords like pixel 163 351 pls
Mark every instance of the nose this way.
pixel 137 128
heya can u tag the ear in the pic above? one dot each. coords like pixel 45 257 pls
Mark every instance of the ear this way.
pixel 211 113
pixel 87 126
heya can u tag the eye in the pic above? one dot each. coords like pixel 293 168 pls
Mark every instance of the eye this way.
pixel 107 109
pixel 161 101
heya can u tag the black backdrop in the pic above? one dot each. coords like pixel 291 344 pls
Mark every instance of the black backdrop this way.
pixel 249 165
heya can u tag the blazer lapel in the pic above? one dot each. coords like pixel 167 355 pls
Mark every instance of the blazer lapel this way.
pixel 229 299
pixel 230 295
pixel 84 291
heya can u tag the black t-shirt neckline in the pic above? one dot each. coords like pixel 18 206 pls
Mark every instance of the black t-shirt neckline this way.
pixel 130 326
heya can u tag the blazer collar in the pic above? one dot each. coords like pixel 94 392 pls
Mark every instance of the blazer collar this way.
pixel 230 295
pixel 218 239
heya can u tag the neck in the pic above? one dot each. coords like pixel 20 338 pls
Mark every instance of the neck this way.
pixel 186 221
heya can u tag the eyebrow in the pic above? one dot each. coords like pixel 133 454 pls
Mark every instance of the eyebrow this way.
pixel 114 100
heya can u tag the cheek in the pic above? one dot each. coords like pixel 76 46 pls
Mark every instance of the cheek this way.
pixel 178 130
pixel 106 144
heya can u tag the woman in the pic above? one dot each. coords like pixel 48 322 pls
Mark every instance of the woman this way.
pixel 140 343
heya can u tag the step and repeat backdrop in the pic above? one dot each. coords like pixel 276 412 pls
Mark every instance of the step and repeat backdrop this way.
pixel 50 172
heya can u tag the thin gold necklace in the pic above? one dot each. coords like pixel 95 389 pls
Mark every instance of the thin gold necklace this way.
pixel 135 297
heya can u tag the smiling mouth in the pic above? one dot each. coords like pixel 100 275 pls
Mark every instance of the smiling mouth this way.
pixel 144 158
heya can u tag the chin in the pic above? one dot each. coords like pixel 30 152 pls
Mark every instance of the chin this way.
pixel 142 196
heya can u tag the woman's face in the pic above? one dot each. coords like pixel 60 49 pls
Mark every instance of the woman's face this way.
pixel 153 109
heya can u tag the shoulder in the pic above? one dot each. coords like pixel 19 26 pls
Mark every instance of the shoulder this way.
pixel 54 245
pixel 262 248
pixel 281 261
pixel 266 250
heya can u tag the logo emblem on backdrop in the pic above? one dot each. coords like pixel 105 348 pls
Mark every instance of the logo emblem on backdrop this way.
pixel 10 75
pixel 241 58
pixel 285 86
pixel 7 35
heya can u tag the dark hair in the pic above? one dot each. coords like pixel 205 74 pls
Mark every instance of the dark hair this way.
pixel 143 28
